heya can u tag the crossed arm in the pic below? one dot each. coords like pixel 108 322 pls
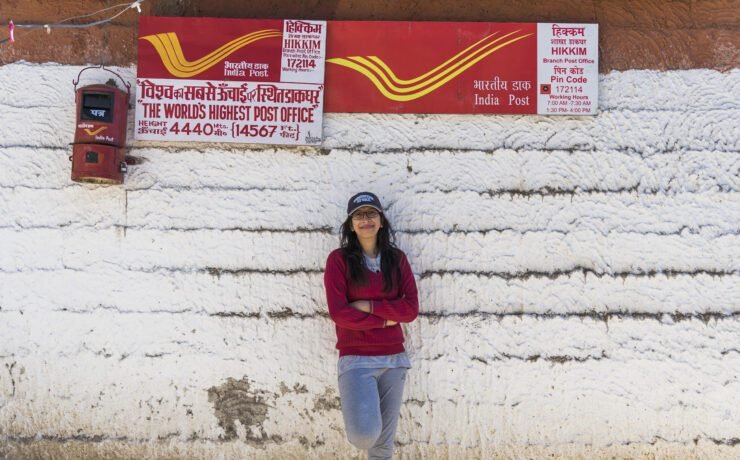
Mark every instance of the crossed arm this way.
pixel 368 314
pixel 366 307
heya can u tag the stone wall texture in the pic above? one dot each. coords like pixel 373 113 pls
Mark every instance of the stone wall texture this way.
pixel 579 277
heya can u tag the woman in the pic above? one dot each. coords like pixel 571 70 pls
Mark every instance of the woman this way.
pixel 370 290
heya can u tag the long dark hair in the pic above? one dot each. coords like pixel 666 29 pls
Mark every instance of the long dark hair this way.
pixel 352 251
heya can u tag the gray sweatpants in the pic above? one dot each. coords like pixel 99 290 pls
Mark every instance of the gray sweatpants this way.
pixel 371 403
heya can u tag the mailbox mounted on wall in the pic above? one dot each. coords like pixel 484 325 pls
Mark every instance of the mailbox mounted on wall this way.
pixel 98 155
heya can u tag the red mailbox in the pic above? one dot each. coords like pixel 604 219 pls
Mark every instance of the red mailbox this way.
pixel 100 136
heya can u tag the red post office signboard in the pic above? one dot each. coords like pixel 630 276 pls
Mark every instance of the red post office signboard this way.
pixel 461 67
pixel 230 80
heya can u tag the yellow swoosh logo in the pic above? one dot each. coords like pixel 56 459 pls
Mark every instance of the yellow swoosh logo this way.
pixel 169 49
pixel 97 131
pixel 400 90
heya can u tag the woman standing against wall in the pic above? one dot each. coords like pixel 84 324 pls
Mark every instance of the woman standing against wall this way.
pixel 370 290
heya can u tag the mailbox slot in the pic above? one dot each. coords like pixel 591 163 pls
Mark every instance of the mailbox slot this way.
pixel 97 106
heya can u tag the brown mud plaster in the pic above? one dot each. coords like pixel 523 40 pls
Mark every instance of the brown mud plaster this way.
pixel 234 400
pixel 327 401
pixel 298 388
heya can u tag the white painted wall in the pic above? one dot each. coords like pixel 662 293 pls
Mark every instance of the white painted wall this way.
pixel 579 281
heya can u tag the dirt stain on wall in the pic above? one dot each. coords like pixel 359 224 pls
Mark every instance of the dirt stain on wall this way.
pixel 234 400
pixel 327 401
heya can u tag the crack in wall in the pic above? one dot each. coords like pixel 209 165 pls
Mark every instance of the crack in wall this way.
pixel 125 212
pixel 9 367
pixel 730 350
pixel 435 316
pixel 218 272
pixel 636 189
pixel 708 229
pixel 656 439
pixel 681 231
pixel 552 275
pixel 644 152
pixel 639 190
pixel 122 311
pixel 578 271
pixel 326 230
pixel 297 230
pixel 310 151
pixel 732 442
pixel 555 359
pixel 235 314
pixel 88 438
pixel 675 317
pixel 508 276
pixel 159 187
pixel 289 313
pixel 154 355
pixel 166 438
pixel 553 191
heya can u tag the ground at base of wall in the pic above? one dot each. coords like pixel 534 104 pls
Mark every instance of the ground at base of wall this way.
pixel 181 450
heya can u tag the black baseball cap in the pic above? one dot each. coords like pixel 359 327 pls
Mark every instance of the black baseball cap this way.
pixel 363 199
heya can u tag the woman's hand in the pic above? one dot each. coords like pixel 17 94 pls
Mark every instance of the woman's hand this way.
pixel 362 305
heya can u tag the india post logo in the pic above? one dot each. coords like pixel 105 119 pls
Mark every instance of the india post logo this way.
pixel 397 89
pixel 170 51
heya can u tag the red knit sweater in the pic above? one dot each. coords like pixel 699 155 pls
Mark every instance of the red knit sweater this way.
pixel 365 334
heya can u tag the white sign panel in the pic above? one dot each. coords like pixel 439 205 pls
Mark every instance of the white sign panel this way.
pixel 219 111
pixel 567 69
pixel 304 51
pixel 270 94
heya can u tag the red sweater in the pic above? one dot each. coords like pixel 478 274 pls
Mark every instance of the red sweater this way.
pixel 365 334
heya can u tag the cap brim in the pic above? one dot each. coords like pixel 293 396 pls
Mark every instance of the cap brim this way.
pixel 365 206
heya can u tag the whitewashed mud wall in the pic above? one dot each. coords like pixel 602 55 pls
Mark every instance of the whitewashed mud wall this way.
pixel 579 281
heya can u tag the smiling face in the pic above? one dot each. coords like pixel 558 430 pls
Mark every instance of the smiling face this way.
pixel 366 223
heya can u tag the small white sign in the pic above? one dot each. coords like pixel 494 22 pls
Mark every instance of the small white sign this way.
pixel 304 51
pixel 567 69
pixel 228 111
